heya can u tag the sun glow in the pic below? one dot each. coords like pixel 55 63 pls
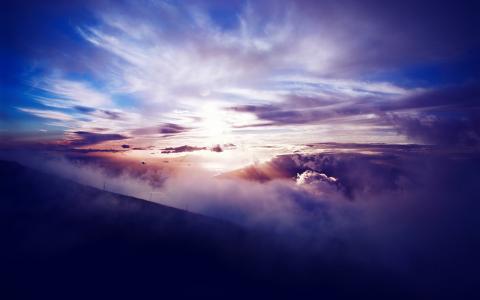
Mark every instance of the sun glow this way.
pixel 214 125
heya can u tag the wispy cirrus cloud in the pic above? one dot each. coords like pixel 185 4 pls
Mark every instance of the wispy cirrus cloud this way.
pixel 47 114
pixel 65 93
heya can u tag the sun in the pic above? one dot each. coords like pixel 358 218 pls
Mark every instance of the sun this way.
pixel 214 125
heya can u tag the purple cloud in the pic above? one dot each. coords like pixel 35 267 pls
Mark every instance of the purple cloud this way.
pixel 166 128
pixel 84 138
pixel 181 149
pixel 439 116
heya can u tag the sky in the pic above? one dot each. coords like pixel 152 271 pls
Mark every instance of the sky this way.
pixel 238 75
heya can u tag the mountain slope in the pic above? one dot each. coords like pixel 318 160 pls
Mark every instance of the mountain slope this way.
pixel 60 237
pixel 68 241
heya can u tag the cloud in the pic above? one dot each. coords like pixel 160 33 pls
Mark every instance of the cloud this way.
pixel 112 115
pixel 65 93
pixel 166 128
pixel 447 117
pixel 85 151
pixel 181 149
pixel 351 169
pixel 439 128
pixel 84 138
pixel 84 109
pixel 187 148
pixel 309 177
pixel 47 114
pixel 217 148
pixel 100 113
pixel 439 116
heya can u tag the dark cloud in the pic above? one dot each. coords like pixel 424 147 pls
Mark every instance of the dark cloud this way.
pixel 85 138
pixel 125 146
pixel 102 113
pixel 188 148
pixel 251 108
pixel 166 128
pixel 443 128
pixel 295 109
pixel 449 116
pixel 265 124
pixel 358 169
pixel 170 128
pixel 112 115
pixel 440 116
pixel 217 148
pixel 180 149
pixel 64 146
pixel 283 115
pixel 464 96
pixel 84 109
pixel 91 150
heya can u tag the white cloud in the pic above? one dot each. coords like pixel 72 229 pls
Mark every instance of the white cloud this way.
pixel 47 114
pixel 68 93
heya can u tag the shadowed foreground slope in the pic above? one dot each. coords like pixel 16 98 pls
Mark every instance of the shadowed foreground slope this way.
pixel 64 240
